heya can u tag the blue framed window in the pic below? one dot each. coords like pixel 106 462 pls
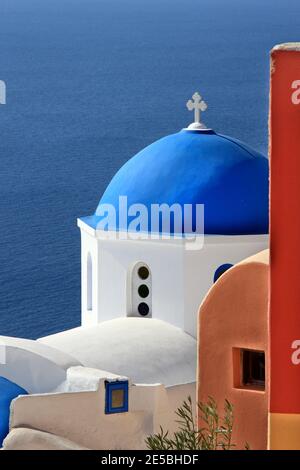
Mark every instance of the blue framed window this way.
pixel 221 270
pixel 116 397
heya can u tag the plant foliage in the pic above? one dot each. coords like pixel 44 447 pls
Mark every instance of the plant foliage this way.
pixel 215 434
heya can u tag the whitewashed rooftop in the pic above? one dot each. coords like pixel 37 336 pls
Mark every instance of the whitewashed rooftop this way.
pixel 144 349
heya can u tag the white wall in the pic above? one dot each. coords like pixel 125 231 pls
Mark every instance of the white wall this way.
pixel 89 245
pixel 181 276
pixel 117 259
pixel 80 417
pixel 200 267
pixel 33 439
pixel 113 262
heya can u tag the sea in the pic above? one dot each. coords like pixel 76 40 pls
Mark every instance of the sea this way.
pixel 89 83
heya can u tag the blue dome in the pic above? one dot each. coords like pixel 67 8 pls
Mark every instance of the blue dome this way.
pixel 197 167
pixel 8 391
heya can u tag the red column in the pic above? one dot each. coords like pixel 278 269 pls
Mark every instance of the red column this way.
pixel 285 248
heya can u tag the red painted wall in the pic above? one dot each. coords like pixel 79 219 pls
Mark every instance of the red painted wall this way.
pixel 285 230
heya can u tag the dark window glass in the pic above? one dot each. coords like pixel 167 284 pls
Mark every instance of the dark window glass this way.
pixel 143 272
pixel 143 309
pixel 117 398
pixel 253 363
pixel 143 291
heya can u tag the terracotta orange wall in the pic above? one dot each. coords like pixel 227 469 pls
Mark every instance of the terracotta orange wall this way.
pixel 234 315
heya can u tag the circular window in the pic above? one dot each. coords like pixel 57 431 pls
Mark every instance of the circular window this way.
pixel 143 272
pixel 221 270
pixel 143 291
pixel 143 309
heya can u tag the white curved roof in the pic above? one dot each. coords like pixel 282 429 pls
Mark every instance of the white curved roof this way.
pixel 35 367
pixel 145 350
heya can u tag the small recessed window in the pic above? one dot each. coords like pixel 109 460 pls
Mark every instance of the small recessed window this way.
pixel 143 309
pixel 143 272
pixel 89 283
pixel 116 397
pixel 221 270
pixel 143 291
pixel 249 369
pixel 253 373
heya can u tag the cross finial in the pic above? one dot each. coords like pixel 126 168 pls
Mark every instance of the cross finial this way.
pixel 197 104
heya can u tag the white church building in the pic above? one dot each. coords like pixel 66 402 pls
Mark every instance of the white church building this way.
pixel 166 277
pixel 196 204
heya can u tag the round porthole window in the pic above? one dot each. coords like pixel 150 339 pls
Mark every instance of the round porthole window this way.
pixel 221 270
pixel 143 291
pixel 143 309
pixel 143 272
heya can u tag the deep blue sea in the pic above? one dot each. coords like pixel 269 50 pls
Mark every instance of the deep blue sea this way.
pixel 90 83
